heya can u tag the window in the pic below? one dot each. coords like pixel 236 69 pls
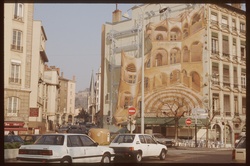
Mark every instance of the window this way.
pixel 236 111
pixel 13 106
pixel 86 141
pixel 243 78
pixel 225 46
pixel 214 18
pixel 158 60
pixel 15 73
pixel 149 139
pixel 243 50
pixel 215 43
pixel 74 141
pixel 128 101
pixel 216 104
pixel 227 105
pixel 18 13
pixel 233 24
pixel 244 105
pixel 234 52
pixel 17 40
pixel 224 22
pixel 242 27
pixel 142 139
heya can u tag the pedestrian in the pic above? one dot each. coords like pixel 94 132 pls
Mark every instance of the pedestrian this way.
pixel 11 133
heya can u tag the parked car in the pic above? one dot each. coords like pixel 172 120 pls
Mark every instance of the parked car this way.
pixel 163 140
pixel 12 141
pixel 136 147
pixel 65 148
pixel 29 138
pixel 239 152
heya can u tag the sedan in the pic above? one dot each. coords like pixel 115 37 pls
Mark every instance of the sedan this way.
pixel 65 148
pixel 137 146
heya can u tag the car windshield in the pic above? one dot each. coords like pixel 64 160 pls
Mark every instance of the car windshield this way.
pixel 50 140
pixel 124 139
pixel 242 143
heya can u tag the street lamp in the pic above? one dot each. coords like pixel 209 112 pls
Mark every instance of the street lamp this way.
pixel 142 61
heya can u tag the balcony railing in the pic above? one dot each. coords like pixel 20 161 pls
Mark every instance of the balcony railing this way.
pixel 215 52
pixel 228 113
pixel 216 113
pixel 225 55
pixel 225 26
pixel 214 22
pixel 16 48
pixel 15 80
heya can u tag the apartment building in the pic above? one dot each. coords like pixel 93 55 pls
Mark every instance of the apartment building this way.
pixel 37 122
pixel 66 101
pixel 194 59
pixel 18 29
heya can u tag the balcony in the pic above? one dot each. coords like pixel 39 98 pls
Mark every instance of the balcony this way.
pixel 224 26
pixel 228 113
pixel 214 22
pixel 216 113
pixel 16 48
pixel 15 80
pixel 225 55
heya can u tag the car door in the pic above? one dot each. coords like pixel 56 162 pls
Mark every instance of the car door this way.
pixel 93 154
pixel 75 148
pixel 143 145
pixel 152 148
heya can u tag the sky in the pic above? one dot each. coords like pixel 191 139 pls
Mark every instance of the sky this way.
pixel 74 37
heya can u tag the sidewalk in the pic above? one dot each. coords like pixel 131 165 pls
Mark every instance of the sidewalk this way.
pixel 199 148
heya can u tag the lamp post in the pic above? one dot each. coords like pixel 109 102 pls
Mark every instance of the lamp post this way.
pixel 142 65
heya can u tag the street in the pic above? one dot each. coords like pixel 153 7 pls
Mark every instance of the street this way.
pixel 188 155
pixel 194 155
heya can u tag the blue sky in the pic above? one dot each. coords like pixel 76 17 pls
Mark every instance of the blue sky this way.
pixel 74 37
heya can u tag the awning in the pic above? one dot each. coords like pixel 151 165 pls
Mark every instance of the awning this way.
pixel 169 121
pixel 15 129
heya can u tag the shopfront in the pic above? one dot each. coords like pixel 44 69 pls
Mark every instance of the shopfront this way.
pixel 15 126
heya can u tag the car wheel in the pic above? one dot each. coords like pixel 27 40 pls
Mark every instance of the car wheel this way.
pixel 138 157
pixel 105 158
pixel 163 154
pixel 66 160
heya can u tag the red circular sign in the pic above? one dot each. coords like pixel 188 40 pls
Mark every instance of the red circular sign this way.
pixel 131 110
pixel 188 121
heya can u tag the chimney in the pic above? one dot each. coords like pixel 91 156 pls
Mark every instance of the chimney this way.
pixel 74 77
pixel 62 74
pixel 236 5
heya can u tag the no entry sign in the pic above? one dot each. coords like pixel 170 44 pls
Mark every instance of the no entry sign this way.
pixel 188 121
pixel 131 110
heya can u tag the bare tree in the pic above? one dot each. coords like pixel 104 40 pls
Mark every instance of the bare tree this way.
pixel 175 107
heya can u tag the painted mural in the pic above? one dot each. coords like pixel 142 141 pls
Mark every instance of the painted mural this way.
pixel 173 68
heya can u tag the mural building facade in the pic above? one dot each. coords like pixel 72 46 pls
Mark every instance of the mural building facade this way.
pixel 194 60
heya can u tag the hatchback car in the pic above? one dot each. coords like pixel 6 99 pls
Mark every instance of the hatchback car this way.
pixel 136 147
pixel 65 148
pixel 239 152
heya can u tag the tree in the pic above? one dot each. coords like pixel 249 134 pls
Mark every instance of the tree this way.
pixel 83 115
pixel 175 107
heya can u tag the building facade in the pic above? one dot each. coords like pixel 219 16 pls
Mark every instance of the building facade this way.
pixel 18 28
pixel 66 101
pixel 194 59
pixel 39 60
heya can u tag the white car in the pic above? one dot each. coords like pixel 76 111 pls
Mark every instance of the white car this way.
pixel 137 146
pixel 239 152
pixel 65 148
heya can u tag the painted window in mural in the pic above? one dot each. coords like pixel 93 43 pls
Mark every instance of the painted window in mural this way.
pixel 175 34
pixel 131 71
pixel 161 33
pixel 159 37
pixel 158 61
pixel 185 54
pixel 175 55
pixel 185 78
pixel 128 100
pixel 185 31
pixel 196 51
pixel 195 81
pixel 195 24
pixel 175 77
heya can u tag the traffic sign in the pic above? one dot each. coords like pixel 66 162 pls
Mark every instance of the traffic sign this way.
pixel 131 110
pixel 188 121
